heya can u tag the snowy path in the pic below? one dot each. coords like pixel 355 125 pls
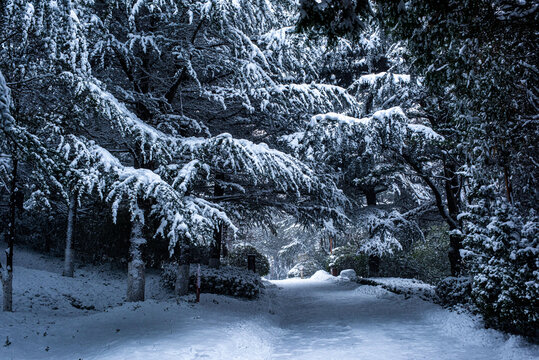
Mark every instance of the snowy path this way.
pixel 325 320
pixel 295 319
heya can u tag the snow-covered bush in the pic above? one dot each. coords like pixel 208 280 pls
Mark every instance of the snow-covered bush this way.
pixel 425 260
pixel 306 267
pixel 454 290
pixel 430 256
pixel 345 257
pixel 502 247
pixel 349 274
pixel 238 257
pixel 399 264
pixel 227 280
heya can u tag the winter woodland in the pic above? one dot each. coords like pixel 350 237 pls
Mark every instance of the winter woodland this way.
pixel 151 150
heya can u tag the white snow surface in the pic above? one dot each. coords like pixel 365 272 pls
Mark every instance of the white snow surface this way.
pixel 319 318
pixel 349 274
pixel 372 78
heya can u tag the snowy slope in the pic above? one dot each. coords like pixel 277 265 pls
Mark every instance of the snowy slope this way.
pixel 320 318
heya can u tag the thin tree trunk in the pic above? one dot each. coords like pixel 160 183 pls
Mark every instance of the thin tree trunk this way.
pixel 215 251
pixel 182 278
pixel 135 267
pixel 7 273
pixel 7 288
pixel 374 260
pixel 71 214
pixel 450 216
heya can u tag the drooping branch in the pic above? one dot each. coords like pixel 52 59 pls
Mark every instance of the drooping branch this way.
pixel 437 196
pixel 174 88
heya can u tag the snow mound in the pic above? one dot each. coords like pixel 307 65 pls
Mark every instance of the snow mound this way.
pixel 349 274
pixel 322 275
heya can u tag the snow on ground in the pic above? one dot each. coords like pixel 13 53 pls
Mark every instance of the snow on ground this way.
pixel 318 318
pixel 335 319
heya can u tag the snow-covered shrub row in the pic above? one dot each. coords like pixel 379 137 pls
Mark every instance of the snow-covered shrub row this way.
pixel 227 280
pixel 238 257
pixel 401 286
pixel 454 290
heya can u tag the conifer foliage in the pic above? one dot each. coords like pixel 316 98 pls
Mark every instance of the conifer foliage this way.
pixel 193 121
pixel 476 64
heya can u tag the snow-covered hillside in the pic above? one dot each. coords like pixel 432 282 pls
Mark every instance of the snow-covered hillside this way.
pixel 319 318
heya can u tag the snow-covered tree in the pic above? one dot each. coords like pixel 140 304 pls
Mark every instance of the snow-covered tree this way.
pixel 149 55
pixel 364 156
pixel 6 271
pixel 365 163
pixel 477 62
pixel 501 249
pixel 215 66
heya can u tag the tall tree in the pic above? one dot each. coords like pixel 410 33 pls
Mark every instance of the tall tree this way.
pixel 477 61
pixel 6 273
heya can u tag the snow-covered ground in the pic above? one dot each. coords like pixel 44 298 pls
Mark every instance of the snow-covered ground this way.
pixel 319 318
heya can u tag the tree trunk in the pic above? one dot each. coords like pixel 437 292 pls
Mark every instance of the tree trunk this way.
pixel 181 286
pixel 135 267
pixel 7 288
pixel 508 186
pixel 452 200
pixel 71 214
pixel 7 273
pixel 455 260
pixel 215 251
pixel 374 261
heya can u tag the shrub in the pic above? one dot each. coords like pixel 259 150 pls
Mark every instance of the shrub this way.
pixel 454 290
pixel 430 257
pixel 238 257
pixel 501 246
pixel 399 264
pixel 423 260
pixel 227 280
pixel 346 257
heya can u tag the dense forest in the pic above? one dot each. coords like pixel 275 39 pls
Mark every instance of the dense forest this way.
pixel 396 138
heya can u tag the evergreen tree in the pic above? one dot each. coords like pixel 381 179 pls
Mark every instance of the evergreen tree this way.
pixel 476 60
pixel 66 134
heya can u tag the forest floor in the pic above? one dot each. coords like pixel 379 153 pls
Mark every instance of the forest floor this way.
pixel 319 318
